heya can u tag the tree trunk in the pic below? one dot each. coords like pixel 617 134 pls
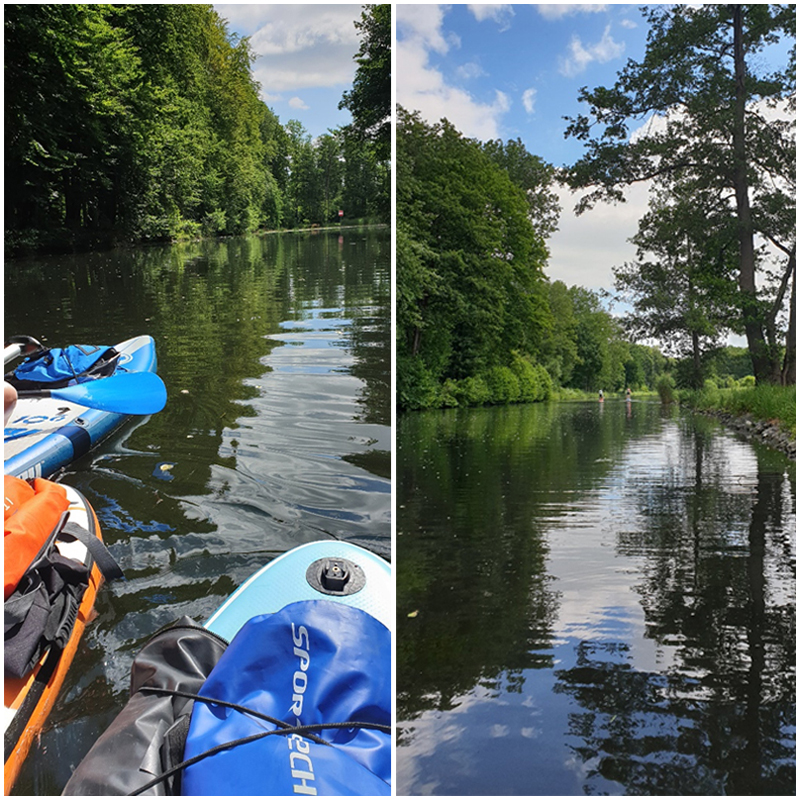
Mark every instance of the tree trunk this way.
pixel 759 352
pixel 416 342
pixel 697 377
pixel 788 373
pixel 72 200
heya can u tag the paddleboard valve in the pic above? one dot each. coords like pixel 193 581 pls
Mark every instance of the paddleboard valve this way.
pixel 336 576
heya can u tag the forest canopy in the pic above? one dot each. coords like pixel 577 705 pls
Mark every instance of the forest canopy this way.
pixel 478 321
pixel 144 122
pixel 721 153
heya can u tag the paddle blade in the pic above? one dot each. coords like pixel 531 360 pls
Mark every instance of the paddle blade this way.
pixel 122 393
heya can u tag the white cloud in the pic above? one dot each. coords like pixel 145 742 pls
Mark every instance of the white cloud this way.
pixel 585 248
pixel 423 87
pixel 529 100
pixel 499 12
pixel 423 25
pixel 553 12
pixel 296 102
pixel 580 56
pixel 470 71
pixel 298 46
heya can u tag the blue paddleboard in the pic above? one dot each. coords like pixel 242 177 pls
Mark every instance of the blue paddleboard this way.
pixel 46 433
pixel 295 576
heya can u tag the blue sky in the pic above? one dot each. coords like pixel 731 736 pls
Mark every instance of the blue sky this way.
pixel 305 57
pixel 514 71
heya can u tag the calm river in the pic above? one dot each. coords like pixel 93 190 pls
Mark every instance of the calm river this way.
pixel 276 355
pixel 593 599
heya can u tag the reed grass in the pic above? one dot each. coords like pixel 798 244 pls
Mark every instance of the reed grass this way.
pixel 764 402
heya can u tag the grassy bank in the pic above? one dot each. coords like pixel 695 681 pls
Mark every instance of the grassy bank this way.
pixel 764 403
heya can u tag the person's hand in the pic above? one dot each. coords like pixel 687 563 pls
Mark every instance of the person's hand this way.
pixel 9 401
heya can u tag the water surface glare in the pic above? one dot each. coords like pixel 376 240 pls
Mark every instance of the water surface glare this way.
pixel 593 599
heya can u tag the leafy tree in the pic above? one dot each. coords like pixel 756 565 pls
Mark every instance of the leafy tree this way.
pixel 700 77
pixel 369 101
pixel 470 285
pixel 331 169
pixel 643 366
pixel 144 122
pixel 70 78
pixel 601 352
pixel 534 176
pixel 366 191
pixel 367 140
pixel 682 287
pixel 559 347
pixel 301 187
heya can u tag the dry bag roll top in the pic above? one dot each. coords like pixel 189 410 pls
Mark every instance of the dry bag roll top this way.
pixel 59 366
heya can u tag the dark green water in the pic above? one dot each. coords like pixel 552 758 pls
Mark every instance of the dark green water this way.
pixel 593 599
pixel 276 355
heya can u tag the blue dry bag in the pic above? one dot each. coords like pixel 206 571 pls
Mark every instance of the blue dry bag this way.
pixel 60 365
pixel 313 661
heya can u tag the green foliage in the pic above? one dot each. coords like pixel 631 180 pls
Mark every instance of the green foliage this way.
pixel 725 366
pixel 472 391
pixel 416 387
pixel 470 282
pixel 475 314
pixel 643 365
pixel 368 139
pixel 503 385
pixel 600 351
pixel 144 122
pixel 682 288
pixel 724 131
pixel 534 176
pixel 369 101
pixel 665 386
pixel 535 383
pixel 763 402
pixel 546 388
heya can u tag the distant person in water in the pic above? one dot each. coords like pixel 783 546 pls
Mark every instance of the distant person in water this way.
pixel 9 401
pixel 601 394
pixel 628 393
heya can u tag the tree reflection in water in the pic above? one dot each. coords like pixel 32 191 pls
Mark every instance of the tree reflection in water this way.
pixel 593 604
pixel 720 718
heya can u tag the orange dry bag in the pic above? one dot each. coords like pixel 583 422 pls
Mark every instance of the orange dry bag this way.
pixel 32 511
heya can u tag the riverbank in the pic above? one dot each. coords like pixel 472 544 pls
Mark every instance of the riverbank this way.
pixel 62 241
pixel 764 413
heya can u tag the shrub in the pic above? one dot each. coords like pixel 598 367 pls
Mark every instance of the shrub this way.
pixel 472 391
pixel 448 394
pixel 214 223
pixel 665 386
pixel 503 385
pixel 545 383
pixel 416 387
pixel 527 378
